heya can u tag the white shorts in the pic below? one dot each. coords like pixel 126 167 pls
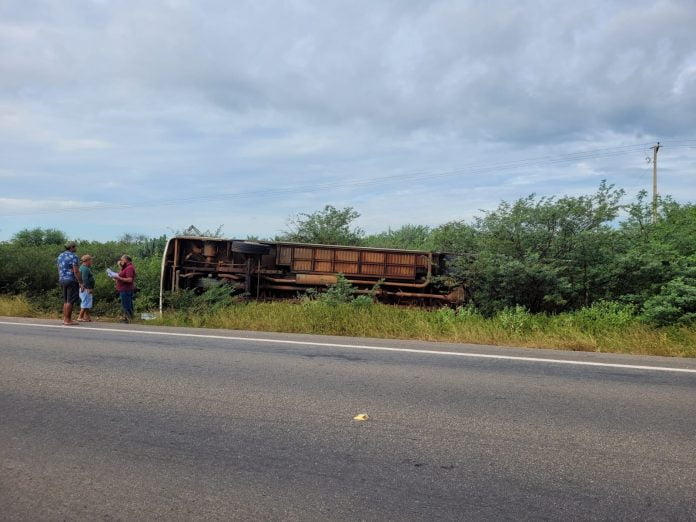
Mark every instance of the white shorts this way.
pixel 86 299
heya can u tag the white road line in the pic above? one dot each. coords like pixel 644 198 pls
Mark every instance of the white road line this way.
pixel 362 347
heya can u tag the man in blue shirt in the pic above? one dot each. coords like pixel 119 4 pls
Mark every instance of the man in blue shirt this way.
pixel 70 280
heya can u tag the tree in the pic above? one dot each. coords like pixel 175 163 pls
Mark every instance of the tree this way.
pixel 411 237
pixel 676 301
pixel 193 230
pixel 550 227
pixel 456 237
pixel 329 226
pixel 39 237
pixel 677 226
pixel 132 239
pixel 651 259
pixel 546 254
pixel 151 247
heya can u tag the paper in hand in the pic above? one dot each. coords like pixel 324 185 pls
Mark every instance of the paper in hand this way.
pixel 111 273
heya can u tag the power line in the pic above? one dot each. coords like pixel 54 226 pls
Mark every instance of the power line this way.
pixel 548 160
pixel 472 168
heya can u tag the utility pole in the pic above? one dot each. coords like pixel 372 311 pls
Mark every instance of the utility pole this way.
pixel 654 199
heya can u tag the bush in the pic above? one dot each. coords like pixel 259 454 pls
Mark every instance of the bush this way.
pixel 362 301
pixel 676 301
pixel 675 304
pixel 212 300
pixel 515 320
pixel 445 316
pixel 147 281
pixel 340 293
pixel 605 314
pixel 28 270
pixel 468 312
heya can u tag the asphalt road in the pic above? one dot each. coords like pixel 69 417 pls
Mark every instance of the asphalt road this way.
pixel 105 423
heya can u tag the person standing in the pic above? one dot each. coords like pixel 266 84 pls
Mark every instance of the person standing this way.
pixel 125 286
pixel 87 291
pixel 70 280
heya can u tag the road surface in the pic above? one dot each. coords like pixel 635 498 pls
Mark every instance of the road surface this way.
pixel 131 422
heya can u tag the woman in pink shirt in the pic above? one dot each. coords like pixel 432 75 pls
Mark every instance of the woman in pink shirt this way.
pixel 125 285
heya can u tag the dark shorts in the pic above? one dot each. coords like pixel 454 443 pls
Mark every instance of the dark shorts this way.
pixel 71 292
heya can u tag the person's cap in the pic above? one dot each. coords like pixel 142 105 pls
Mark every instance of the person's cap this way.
pixel 86 257
pixel 70 244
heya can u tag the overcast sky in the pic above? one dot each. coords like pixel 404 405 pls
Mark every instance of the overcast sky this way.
pixel 147 117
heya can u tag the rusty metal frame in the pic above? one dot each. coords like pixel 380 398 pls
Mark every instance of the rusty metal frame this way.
pixel 269 274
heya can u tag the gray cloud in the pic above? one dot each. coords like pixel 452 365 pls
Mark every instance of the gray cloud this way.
pixel 208 96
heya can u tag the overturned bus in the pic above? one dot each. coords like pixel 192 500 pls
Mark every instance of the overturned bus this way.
pixel 276 269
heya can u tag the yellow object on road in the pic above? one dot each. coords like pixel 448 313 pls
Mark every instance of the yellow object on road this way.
pixel 361 417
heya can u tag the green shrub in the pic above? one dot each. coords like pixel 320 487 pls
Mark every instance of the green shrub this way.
pixel 179 301
pixel 215 298
pixel 340 292
pixel 675 304
pixel 148 272
pixel 362 301
pixel 445 316
pixel 605 314
pixel 28 269
pixel 515 319
pixel 468 312
pixel 212 300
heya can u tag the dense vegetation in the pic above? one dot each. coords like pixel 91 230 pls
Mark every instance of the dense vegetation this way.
pixel 554 255
pixel 537 255
pixel 28 267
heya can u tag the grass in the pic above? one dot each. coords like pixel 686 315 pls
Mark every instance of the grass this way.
pixel 16 306
pixel 46 307
pixel 590 330
pixel 601 328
